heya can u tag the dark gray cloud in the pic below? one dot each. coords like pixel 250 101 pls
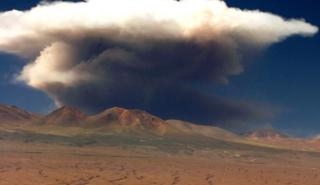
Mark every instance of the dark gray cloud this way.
pixel 159 77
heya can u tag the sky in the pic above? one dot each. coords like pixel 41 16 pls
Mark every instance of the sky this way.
pixel 275 84
pixel 287 74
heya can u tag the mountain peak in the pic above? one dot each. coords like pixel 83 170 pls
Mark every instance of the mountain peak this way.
pixel 128 120
pixel 266 133
pixel 64 116
pixel 68 109
pixel 315 138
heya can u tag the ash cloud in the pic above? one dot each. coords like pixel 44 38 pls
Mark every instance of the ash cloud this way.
pixel 146 54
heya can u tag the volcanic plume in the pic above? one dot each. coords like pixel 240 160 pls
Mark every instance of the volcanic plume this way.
pixel 152 55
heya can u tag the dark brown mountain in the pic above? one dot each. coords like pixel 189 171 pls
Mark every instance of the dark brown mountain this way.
pixel 115 120
pixel 12 115
pixel 120 119
pixel 64 116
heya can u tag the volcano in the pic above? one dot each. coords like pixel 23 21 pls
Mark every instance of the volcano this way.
pixel 64 116
pixel 120 119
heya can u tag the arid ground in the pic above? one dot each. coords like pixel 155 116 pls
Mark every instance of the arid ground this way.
pixel 51 164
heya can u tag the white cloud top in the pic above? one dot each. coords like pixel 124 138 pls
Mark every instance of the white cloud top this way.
pixel 30 31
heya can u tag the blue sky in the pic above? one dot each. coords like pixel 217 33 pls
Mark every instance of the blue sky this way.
pixel 285 76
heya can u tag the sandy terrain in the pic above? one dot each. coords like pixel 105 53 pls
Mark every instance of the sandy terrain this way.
pixel 44 164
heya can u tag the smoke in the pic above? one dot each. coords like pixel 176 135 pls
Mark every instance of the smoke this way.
pixel 147 54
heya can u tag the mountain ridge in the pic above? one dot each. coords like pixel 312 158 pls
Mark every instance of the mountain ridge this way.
pixel 266 133
pixel 127 119
pixel 10 114
pixel 64 116
pixel 130 124
pixel 121 120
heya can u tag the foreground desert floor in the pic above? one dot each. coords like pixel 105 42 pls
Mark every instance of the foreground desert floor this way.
pixel 49 164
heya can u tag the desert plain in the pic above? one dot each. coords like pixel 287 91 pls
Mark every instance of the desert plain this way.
pixel 52 164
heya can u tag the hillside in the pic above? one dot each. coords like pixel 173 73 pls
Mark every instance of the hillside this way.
pixel 183 127
pixel 119 126
pixel 266 133
pixel 125 120
pixel 64 116
pixel 14 115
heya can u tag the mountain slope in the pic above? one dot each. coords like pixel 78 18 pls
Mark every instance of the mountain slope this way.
pixel 64 116
pixel 11 115
pixel 266 133
pixel 316 138
pixel 120 119
pixel 121 125
pixel 206 131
